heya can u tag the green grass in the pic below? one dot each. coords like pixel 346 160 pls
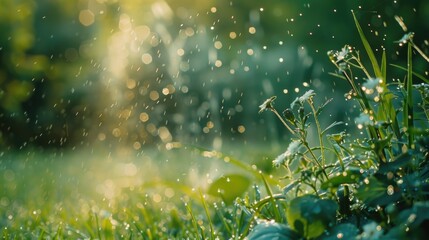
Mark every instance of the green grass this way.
pixel 126 194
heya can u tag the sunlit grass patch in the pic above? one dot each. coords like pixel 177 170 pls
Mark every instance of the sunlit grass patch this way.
pixel 98 194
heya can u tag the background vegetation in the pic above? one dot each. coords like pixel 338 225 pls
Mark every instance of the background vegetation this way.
pixel 136 72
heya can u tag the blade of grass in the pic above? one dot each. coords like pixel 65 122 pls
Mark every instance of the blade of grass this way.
pixel 387 112
pixel 140 231
pixel 383 69
pixel 97 225
pixel 421 77
pixel 368 49
pixel 258 207
pixel 41 235
pixel 408 104
pixel 194 222
pixel 272 199
pixel 223 219
pixel 206 210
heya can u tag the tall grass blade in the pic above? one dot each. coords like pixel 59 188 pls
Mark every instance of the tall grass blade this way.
pixel 368 49
pixel 387 111
pixel 206 210
pixel 41 235
pixel 97 225
pixel 383 69
pixel 408 108
pixel 194 222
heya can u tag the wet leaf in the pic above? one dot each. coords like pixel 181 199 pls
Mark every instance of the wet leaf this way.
pixel 272 230
pixel 408 224
pixel 399 162
pixel 229 187
pixel 374 193
pixel 343 231
pixel 352 175
pixel 310 215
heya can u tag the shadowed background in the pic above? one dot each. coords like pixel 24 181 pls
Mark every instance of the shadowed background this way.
pixel 136 73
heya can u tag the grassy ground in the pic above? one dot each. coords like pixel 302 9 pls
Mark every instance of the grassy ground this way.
pixel 126 194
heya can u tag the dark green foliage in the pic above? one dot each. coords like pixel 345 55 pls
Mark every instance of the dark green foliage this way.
pixel 310 216
pixel 370 187
pixel 266 230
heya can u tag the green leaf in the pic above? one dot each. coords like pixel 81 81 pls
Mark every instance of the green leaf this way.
pixel 272 230
pixel 421 77
pixel 319 110
pixel 399 162
pixel 368 49
pixel 351 175
pixel 310 215
pixel 291 186
pixel 374 193
pixel 383 69
pixel 229 187
pixel 331 126
pixel 409 223
pixel 343 231
pixel 408 104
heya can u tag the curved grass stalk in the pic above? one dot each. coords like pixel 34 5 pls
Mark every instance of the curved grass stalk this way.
pixel 319 131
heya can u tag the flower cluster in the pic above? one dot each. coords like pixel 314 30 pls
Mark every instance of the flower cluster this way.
pixel 339 56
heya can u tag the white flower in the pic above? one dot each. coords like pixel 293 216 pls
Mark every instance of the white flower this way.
pixel 372 85
pixel 280 159
pixel 268 104
pixel 300 100
pixel 343 54
pixel 307 95
pixel 292 149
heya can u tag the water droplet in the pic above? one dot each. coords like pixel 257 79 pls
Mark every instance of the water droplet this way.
pixel 390 190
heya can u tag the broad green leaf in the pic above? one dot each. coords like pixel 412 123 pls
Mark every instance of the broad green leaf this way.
pixel 272 230
pixel 374 193
pixel 229 187
pixel 409 223
pixel 310 215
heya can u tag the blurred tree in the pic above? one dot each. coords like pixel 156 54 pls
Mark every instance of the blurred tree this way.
pixel 46 74
pixel 146 71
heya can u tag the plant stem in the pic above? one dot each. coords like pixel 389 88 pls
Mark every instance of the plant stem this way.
pixel 419 51
pixel 283 121
pixel 374 133
pixel 319 131
pixel 315 158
